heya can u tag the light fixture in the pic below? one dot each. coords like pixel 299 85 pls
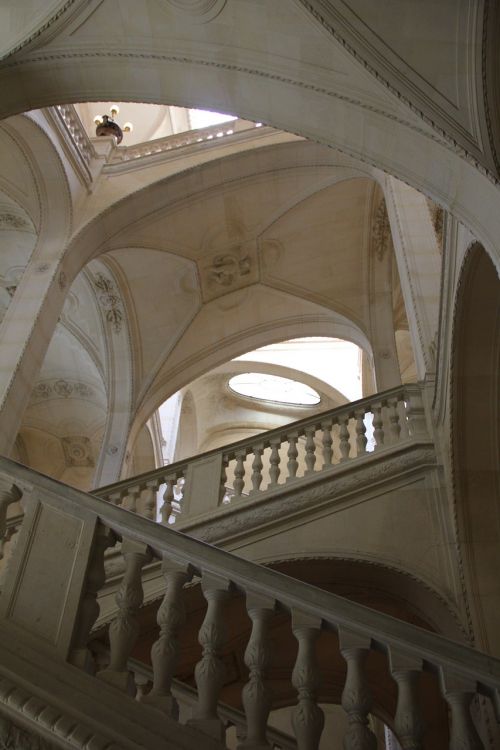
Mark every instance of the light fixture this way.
pixel 106 125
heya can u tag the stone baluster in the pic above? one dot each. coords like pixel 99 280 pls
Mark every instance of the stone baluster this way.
pixel 129 502
pixel 378 423
pixel 223 480
pixel 89 608
pixel 344 445
pixel 415 413
pixel 115 498
pixel 239 473
pixel 274 460
pixel 394 426
pixel 148 500
pixel 124 629
pixel 458 693
pixel 310 450
pixel 408 722
pixel 307 717
pixel 168 499
pixel 327 441
pixel 361 439
pixel 256 695
pixel 165 652
pixel 292 454
pixel 210 671
pixel 257 468
pixel 356 696
pixel 9 494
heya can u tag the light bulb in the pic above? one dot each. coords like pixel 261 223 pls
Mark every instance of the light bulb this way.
pixel 128 127
pixel 97 120
pixel 115 109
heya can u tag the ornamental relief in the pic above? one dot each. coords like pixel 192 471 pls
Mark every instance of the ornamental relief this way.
pixel 61 388
pixel 109 299
pixel 381 231
pixel 231 268
pixel 77 451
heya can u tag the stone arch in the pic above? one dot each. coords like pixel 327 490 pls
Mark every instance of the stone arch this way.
pixel 475 434
pixel 404 145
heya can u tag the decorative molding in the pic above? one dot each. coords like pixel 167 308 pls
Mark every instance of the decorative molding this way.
pixel 77 451
pixel 437 218
pixel 442 138
pixel 13 738
pixel 351 38
pixel 110 301
pixel 46 718
pixel 287 500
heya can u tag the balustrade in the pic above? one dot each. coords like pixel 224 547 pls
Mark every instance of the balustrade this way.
pixel 405 650
pixel 299 452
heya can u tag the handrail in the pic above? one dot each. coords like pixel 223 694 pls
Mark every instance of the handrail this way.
pixel 335 611
pixel 461 670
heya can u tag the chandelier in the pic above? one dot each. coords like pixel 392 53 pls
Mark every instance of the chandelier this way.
pixel 106 125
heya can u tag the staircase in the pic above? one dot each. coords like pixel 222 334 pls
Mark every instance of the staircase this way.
pixel 64 680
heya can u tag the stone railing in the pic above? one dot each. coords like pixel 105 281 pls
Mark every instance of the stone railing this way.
pixel 181 140
pixel 250 469
pixel 67 115
pixel 57 570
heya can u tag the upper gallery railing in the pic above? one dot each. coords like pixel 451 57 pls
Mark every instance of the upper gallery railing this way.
pixel 244 471
pixel 180 140
pixel 57 570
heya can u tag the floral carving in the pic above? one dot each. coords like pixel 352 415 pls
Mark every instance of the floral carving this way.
pixel 381 231
pixel 110 301
pixel 61 388
pixel 227 268
pixel 77 451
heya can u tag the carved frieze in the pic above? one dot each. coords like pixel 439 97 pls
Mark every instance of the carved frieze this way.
pixel 231 268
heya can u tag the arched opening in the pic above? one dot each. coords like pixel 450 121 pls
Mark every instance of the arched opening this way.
pixel 475 440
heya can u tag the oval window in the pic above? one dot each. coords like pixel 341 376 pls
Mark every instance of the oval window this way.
pixel 274 388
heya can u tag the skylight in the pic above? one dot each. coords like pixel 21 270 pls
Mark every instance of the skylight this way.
pixel 259 385
pixel 200 118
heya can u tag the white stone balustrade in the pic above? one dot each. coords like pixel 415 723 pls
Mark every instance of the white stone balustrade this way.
pixel 245 471
pixel 313 614
pixel 215 133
